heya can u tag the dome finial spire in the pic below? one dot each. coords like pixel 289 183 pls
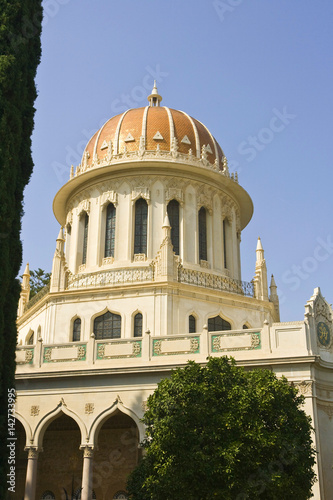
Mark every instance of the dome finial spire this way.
pixel 154 98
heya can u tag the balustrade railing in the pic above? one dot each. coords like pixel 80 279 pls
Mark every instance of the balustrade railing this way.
pixel 215 282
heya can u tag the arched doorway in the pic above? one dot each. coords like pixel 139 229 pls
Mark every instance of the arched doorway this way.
pixel 60 462
pixel 117 454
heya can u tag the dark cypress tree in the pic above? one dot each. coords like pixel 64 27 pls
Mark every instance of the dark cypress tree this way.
pixel 20 51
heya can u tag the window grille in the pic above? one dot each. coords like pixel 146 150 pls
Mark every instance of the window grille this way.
pixel 202 234
pixel 140 236
pixel 107 326
pixel 77 330
pixel 138 325
pixel 110 231
pixel 191 324
pixel 173 214
pixel 85 239
pixel 218 324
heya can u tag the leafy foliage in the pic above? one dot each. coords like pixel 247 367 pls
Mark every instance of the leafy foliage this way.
pixel 219 431
pixel 38 280
pixel 20 50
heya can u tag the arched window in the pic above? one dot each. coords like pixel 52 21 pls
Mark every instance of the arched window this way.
pixel 141 217
pixel 245 327
pixel 107 326
pixel 77 330
pixel 85 238
pixel 224 244
pixel 202 234
pixel 218 324
pixel 138 325
pixel 191 324
pixel 173 214
pixel 110 230
pixel 31 339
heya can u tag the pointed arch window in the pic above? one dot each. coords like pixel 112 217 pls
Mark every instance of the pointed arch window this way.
pixel 218 324
pixel 192 324
pixel 110 230
pixel 173 214
pixel 141 218
pixel 85 238
pixel 202 234
pixel 138 325
pixel 31 339
pixel 77 330
pixel 107 326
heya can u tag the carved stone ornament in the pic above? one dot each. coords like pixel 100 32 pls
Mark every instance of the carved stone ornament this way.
pixel 89 408
pixel 107 261
pixel 29 354
pixel 304 387
pixel 204 199
pixel 69 218
pixel 118 400
pixel 205 264
pixel 323 321
pixel 141 192
pixel 140 257
pixel 174 194
pixel 88 451
pixel 84 206
pixel 109 197
pixel 34 411
pixel 32 453
pixel 255 341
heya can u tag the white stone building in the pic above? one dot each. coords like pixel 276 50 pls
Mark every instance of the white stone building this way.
pixel 146 275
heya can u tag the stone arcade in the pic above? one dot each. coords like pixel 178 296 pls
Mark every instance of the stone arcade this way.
pixel 146 275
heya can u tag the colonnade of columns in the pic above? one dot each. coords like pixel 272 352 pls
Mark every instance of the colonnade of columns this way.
pixel 31 477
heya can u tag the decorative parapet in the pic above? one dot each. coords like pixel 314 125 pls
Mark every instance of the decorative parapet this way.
pixel 167 346
pixel 227 341
pixel 61 353
pixel 118 349
pixel 36 298
pixel 157 154
pixel 25 355
pixel 112 277
pixel 215 282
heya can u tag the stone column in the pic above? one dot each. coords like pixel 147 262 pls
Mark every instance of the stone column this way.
pixel 88 453
pixel 31 478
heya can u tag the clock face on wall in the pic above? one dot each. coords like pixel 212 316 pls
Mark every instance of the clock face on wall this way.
pixel 324 334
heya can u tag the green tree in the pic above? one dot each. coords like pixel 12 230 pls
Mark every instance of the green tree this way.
pixel 218 431
pixel 20 50
pixel 38 280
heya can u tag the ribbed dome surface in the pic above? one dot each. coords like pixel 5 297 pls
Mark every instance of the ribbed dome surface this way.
pixel 154 129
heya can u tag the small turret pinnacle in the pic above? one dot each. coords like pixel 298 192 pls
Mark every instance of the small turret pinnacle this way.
pixel 259 245
pixel 26 270
pixel 154 98
pixel 273 284
pixel 61 234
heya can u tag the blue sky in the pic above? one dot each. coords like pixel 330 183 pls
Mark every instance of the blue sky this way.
pixel 257 73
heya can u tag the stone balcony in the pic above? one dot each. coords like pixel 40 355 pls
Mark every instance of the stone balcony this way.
pixel 247 346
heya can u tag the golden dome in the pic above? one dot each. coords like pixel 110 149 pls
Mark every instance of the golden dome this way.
pixel 153 129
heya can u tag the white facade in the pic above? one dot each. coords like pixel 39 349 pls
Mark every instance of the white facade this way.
pixel 162 303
